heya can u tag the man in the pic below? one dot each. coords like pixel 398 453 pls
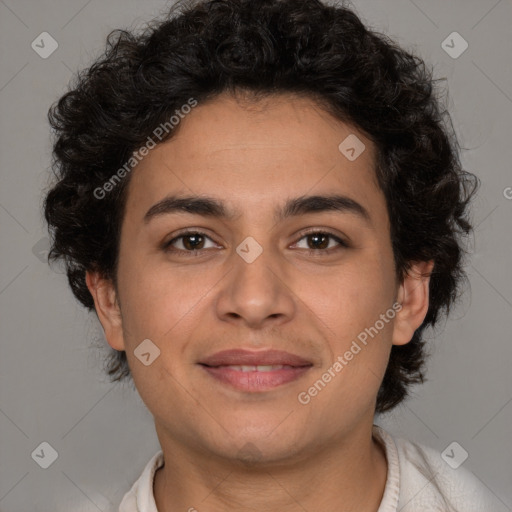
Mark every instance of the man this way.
pixel 263 207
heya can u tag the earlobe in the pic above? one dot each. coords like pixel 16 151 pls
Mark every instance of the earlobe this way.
pixel 413 295
pixel 107 308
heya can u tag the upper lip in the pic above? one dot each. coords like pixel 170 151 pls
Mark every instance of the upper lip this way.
pixel 251 358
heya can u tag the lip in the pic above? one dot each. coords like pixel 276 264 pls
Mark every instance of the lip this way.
pixel 220 367
pixel 252 358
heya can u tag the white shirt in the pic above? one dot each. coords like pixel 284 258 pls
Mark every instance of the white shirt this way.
pixel 418 480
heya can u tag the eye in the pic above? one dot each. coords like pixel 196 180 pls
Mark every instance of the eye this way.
pixel 191 242
pixel 320 242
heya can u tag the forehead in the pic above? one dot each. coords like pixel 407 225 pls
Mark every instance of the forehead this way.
pixel 248 153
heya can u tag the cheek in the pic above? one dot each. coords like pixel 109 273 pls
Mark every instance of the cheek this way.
pixel 350 298
pixel 159 302
pixel 358 337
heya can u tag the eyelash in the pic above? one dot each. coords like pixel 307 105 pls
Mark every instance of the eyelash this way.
pixel 167 247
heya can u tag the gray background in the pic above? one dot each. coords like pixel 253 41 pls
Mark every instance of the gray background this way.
pixel 51 383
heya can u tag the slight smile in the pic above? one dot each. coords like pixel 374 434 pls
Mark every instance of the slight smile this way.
pixel 255 371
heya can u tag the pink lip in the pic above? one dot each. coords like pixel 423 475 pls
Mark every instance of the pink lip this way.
pixel 255 381
pixel 248 358
pixel 218 366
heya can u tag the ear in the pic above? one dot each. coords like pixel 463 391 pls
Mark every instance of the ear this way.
pixel 413 295
pixel 107 308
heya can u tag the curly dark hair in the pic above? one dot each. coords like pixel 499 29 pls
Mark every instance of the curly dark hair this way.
pixel 261 48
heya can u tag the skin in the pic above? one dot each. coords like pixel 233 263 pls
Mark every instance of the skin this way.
pixel 226 449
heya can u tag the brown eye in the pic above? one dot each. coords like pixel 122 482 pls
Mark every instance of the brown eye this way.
pixel 193 243
pixel 318 240
pixel 190 242
pixel 321 242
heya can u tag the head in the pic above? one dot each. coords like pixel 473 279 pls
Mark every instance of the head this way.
pixel 249 105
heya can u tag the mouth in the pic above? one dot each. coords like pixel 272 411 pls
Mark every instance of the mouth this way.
pixel 251 371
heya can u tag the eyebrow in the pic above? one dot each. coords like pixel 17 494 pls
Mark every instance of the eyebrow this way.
pixel 212 207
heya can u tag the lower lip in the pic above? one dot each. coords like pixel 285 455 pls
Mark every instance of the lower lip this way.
pixel 255 381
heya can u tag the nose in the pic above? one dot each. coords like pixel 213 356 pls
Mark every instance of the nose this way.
pixel 258 290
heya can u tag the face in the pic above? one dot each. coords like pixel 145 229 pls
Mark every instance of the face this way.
pixel 308 280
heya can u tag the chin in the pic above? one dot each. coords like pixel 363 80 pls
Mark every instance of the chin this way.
pixel 259 444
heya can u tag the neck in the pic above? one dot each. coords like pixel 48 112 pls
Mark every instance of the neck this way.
pixel 349 475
